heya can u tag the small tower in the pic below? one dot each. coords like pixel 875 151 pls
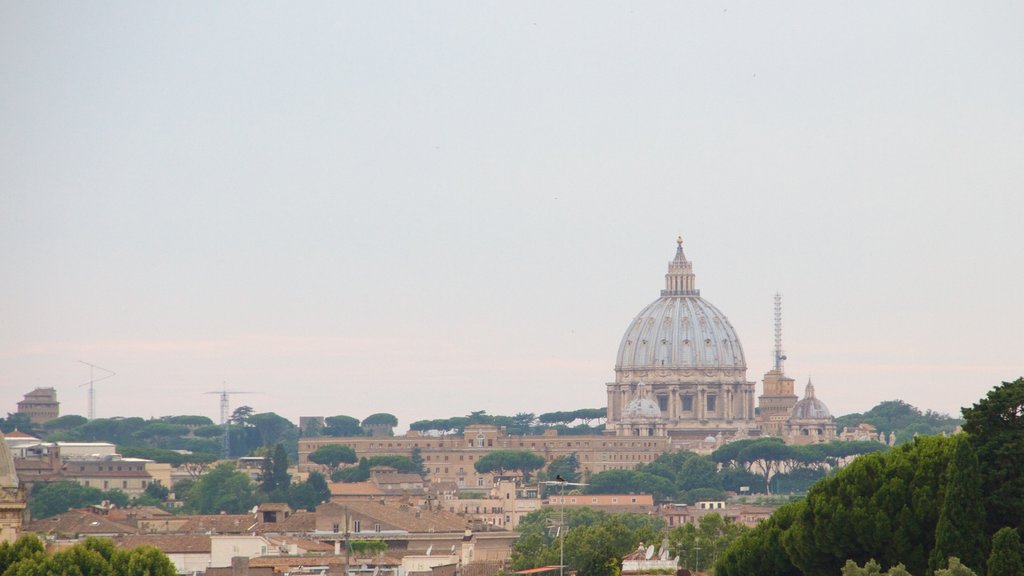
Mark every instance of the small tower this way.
pixel 778 397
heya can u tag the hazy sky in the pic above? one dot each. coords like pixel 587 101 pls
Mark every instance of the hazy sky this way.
pixel 428 208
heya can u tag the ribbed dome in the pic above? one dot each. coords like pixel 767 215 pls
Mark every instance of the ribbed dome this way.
pixel 809 407
pixel 642 408
pixel 680 329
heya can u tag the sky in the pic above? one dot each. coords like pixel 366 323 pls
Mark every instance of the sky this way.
pixel 431 208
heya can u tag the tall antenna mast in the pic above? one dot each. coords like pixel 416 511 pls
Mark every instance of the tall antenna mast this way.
pixel 92 381
pixel 225 400
pixel 780 356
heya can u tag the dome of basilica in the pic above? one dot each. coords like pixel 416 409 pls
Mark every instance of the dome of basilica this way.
pixel 680 329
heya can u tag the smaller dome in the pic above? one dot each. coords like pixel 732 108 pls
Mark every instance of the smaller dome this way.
pixel 710 439
pixel 642 408
pixel 809 407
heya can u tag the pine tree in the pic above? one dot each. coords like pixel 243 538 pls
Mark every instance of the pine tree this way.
pixel 960 531
pixel 1005 559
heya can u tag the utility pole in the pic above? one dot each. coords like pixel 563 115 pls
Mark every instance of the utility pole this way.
pixel 561 521
pixel 347 549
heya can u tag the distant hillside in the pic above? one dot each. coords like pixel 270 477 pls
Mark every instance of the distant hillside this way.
pixel 903 419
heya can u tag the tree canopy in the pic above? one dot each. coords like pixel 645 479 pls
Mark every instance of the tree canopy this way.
pixel 504 460
pixel 91 557
pixel 333 455
pixel 932 505
pixel 595 542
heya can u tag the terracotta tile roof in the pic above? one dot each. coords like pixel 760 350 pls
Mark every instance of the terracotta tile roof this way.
pixel 168 543
pixel 304 543
pixel 298 522
pixel 294 561
pixel 219 524
pixel 79 522
pixel 394 516
pixel 355 489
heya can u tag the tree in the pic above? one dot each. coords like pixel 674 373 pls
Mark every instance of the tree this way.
pixel 417 461
pixel 222 489
pixel 698 547
pixel 17 421
pixel 241 415
pixel 317 481
pixel 568 467
pixel 271 428
pixel 961 528
pixel 142 561
pixel 274 473
pixel 1006 557
pixel 157 491
pixel 631 482
pixel 955 569
pixel 767 454
pixel 503 460
pixel 595 542
pixel 342 425
pixel 333 455
pixel 92 557
pixel 381 420
pixel 52 498
pixel 995 427
pixel 698 472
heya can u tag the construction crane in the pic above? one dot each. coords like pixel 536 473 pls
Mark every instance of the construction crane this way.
pixel 91 383
pixel 225 404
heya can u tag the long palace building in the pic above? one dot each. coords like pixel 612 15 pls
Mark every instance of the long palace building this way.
pixel 680 383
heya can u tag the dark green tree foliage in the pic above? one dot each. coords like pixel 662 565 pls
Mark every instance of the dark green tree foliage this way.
pixel 52 498
pixel 92 557
pixel 698 472
pixel 902 418
pixel 759 552
pixel 380 419
pixel 222 489
pixel 360 473
pixel 64 423
pixel 1006 557
pixel 567 467
pixel 272 429
pixel 960 531
pixel 416 457
pixel 18 421
pixel 631 482
pixel 594 543
pixel 274 474
pixel 956 568
pixel 157 491
pixel 342 425
pixel 167 456
pixel 698 547
pixel 333 455
pixel 523 461
pixel 883 506
pixel 995 426
pixel 368 547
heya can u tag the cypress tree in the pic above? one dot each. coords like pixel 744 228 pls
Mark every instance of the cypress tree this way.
pixel 960 531
pixel 1005 559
